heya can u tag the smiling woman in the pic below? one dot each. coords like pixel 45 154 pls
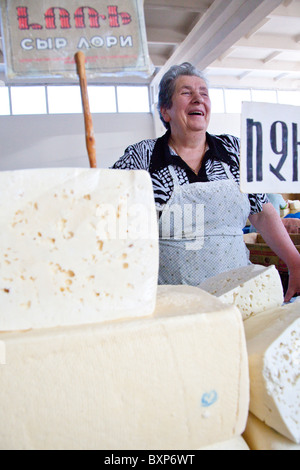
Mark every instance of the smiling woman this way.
pixel 188 118
pixel 181 164
pixel 169 83
pixel 195 177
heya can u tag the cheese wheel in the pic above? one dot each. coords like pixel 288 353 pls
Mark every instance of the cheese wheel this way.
pixel 253 289
pixel 175 380
pixel 78 246
pixel 273 344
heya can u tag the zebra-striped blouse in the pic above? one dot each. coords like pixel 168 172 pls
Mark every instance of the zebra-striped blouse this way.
pixel 155 156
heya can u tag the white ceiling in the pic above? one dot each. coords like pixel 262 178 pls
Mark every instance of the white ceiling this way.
pixel 239 43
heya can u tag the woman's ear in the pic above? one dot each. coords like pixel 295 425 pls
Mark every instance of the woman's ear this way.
pixel 165 114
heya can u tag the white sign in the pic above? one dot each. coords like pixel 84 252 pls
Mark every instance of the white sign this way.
pixel 270 148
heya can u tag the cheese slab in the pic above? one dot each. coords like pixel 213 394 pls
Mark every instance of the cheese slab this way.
pixel 169 381
pixel 273 344
pixel 259 436
pixel 77 246
pixel 237 443
pixel 253 289
pixel 295 206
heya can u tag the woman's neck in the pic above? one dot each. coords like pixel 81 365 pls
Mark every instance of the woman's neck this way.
pixel 190 148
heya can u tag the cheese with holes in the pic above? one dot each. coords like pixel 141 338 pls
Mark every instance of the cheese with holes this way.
pixel 273 344
pixel 77 246
pixel 175 380
pixel 252 288
pixel 259 436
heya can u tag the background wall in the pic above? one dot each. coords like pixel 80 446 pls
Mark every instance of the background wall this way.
pixel 225 124
pixel 59 140
pixel 42 141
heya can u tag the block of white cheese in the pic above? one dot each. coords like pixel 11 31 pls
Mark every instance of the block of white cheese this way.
pixel 295 206
pixel 252 288
pixel 176 380
pixel 237 443
pixel 273 344
pixel 77 246
pixel 259 436
pixel 284 212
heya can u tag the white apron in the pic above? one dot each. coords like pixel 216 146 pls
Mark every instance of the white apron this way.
pixel 201 230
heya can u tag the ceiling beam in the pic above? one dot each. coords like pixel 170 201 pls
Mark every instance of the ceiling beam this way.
pixel 281 76
pixel 1 52
pixel 218 29
pixel 290 10
pixel 271 57
pixel 256 64
pixel 164 36
pixel 286 82
pixel 226 53
pixel 178 5
pixel 244 74
pixel 158 60
pixel 270 41
pixel 257 27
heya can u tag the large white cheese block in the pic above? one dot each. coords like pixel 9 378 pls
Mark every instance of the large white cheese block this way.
pixel 237 443
pixel 273 343
pixel 176 380
pixel 259 436
pixel 253 289
pixel 77 246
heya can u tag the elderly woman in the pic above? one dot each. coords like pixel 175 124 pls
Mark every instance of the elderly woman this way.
pixel 195 178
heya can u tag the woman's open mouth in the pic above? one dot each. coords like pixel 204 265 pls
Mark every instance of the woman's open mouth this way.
pixel 196 113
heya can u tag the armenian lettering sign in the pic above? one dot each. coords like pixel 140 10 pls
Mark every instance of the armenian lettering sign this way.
pixel 41 37
pixel 270 148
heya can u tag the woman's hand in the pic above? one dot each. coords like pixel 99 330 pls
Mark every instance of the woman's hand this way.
pixel 294 283
pixel 269 224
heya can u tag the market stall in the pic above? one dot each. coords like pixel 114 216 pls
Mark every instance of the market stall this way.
pixel 94 353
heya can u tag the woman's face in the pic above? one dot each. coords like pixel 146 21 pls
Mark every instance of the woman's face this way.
pixel 191 106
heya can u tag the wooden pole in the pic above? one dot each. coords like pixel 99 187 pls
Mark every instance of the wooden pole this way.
pixel 88 122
